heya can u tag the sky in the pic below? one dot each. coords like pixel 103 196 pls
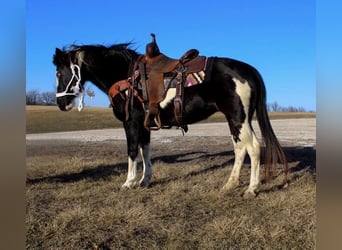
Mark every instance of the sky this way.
pixel 276 37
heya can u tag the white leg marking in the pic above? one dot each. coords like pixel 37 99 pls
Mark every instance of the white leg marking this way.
pixel 240 153
pixel 248 142
pixel 132 174
pixel 147 165
pixel 170 95
pixel 254 152
pixel 252 145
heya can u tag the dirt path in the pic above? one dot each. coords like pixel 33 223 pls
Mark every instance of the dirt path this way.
pixel 302 131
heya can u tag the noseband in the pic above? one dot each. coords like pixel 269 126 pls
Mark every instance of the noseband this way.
pixel 76 89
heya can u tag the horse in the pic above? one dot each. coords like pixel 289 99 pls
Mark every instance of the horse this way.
pixel 230 86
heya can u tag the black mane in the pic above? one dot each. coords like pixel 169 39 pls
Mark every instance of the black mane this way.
pixel 123 50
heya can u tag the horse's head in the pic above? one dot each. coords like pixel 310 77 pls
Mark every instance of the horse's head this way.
pixel 98 64
pixel 68 79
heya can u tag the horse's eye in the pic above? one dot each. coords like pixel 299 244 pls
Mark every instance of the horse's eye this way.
pixel 58 74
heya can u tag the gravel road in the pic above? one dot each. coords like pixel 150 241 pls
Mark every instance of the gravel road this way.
pixel 302 131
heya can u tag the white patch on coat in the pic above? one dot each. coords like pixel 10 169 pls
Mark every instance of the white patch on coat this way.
pixel 170 95
pixel 244 91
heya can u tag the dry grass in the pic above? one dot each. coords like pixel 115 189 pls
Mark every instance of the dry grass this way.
pixel 44 119
pixel 74 200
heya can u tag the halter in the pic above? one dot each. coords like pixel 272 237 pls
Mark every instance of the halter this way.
pixel 77 89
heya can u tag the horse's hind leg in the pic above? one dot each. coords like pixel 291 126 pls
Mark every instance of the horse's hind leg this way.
pixel 240 153
pixel 247 142
pixel 253 149
pixel 244 138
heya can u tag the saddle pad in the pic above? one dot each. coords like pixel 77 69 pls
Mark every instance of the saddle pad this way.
pixel 194 79
pixel 191 79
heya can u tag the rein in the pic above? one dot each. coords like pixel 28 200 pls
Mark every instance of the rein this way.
pixel 77 89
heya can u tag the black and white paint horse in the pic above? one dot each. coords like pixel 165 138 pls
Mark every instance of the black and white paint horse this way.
pixel 232 87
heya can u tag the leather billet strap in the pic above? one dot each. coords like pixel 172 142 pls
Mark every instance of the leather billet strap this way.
pixel 178 101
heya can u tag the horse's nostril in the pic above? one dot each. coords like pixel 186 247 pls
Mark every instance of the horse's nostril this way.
pixel 61 107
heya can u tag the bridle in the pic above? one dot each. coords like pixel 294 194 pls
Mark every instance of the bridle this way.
pixel 77 89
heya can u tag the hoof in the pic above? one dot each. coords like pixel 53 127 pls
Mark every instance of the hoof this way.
pixel 144 184
pixel 229 187
pixel 249 195
pixel 126 186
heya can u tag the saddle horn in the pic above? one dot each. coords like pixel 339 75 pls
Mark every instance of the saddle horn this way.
pixel 152 48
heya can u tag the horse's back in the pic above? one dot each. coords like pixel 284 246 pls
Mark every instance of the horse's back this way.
pixel 229 67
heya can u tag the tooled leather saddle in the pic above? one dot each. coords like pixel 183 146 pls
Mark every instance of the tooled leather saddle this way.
pixel 149 74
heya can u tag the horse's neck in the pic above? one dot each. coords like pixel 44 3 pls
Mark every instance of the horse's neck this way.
pixel 105 76
pixel 104 80
pixel 96 79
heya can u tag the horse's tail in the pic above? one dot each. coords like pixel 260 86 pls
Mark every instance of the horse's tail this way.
pixel 273 151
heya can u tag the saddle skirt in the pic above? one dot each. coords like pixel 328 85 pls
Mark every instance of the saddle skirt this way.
pixel 163 73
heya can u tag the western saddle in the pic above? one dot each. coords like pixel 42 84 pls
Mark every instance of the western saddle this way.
pixel 149 71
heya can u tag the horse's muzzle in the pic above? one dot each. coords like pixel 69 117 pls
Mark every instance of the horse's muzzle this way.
pixel 64 104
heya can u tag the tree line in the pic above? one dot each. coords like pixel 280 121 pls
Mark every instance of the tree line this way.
pixel 35 97
pixel 275 107
pixel 48 98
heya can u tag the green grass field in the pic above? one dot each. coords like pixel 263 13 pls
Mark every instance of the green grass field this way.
pixel 44 119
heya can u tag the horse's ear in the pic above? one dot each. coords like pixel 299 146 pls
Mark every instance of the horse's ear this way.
pixel 58 57
pixel 58 51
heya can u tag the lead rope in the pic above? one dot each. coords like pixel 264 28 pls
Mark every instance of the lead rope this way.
pixel 81 101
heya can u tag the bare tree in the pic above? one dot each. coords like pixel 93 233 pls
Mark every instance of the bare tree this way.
pixel 48 98
pixel 275 107
pixel 301 109
pixel 32 97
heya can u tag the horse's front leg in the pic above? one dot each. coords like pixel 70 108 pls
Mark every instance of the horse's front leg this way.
pixel 132 150
pixel 145 152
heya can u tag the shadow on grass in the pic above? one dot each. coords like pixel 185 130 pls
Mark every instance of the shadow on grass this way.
pixel 98 173
pixel 190 156
pixel 304 156
pixel 301 158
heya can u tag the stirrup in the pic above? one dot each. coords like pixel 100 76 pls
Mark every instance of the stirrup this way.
pixel 156 120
